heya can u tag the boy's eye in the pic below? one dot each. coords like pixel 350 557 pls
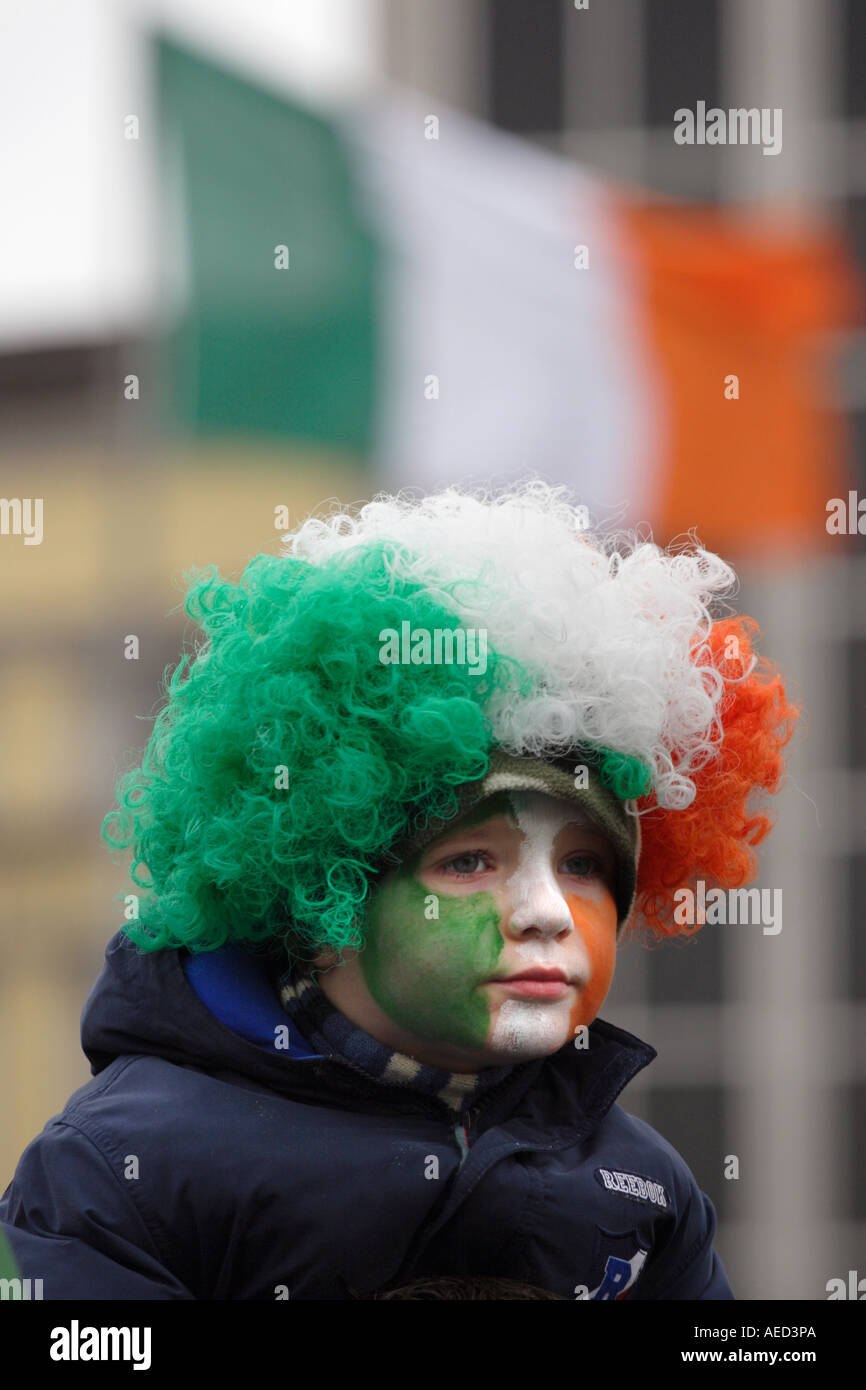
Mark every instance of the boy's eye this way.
pixel 465 865
pixel 583 865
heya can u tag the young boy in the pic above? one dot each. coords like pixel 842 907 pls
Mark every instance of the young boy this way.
pixel 426 770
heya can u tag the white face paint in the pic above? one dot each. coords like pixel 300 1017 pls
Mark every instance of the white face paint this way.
pixel 531 1027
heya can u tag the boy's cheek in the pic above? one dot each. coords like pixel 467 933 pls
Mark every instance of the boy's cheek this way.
pixel 597 926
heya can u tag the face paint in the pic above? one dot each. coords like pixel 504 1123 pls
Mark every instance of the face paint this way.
pixel 532 1027
pixel 597 927
pixel 428 975
pixel 536 896
pixel 425 974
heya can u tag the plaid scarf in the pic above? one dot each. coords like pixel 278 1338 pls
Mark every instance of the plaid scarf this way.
pixel 334 1035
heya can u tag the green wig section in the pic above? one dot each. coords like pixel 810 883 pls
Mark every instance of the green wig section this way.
pixel 627 777
pixel 288 757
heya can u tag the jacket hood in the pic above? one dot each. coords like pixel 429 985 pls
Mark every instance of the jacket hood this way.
pixel 220 1011
pixel 217 1010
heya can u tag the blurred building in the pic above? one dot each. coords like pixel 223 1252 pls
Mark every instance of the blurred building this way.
pixel 759 1037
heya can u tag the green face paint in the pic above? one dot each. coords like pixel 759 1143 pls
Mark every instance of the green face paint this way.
pixel 425 974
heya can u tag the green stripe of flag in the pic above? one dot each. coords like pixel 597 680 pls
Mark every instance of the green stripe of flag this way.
pixel 288 352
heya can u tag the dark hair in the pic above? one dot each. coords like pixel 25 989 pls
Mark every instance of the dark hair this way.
pixel 461 1286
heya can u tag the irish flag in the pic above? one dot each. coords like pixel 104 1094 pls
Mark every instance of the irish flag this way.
pixel 446 303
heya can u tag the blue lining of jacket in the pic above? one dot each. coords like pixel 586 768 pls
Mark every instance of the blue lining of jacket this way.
pixel 233 984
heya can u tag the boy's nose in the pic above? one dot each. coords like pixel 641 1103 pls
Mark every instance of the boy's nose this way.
pixel 540 906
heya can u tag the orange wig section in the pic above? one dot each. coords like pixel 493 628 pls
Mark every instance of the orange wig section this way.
pixel 713 838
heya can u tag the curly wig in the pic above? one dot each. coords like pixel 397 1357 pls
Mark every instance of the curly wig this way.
pixel 290 756
pixel 713 838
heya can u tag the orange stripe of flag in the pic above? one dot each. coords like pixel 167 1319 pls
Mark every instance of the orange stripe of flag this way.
pixel 754 472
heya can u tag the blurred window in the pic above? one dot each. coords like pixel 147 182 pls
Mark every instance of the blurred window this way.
pixel 853 91
pixel 681 55
pixel 525 46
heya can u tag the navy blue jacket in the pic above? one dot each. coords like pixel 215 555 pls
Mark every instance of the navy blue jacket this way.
pixel 205 1160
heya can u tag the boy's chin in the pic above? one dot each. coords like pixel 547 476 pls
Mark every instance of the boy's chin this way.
pixel 521 1032
pixel 517 1033
pixel 522 1051
pixel 510 1050
pixel 503 1054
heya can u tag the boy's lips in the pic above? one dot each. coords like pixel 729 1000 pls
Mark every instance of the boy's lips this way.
pixel 539 983
pixel 538 972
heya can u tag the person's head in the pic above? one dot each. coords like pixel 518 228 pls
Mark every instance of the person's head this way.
pixel 458 1286
pixel 350 690
pixel 524 884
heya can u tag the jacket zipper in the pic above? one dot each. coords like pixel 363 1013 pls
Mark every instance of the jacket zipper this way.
pixel 460 1131
pixel 462 1144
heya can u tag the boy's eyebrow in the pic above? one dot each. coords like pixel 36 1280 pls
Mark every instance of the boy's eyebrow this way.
pixel 588 830
pixel 490 808
pixel 467 832
pixel 593 839
pixel 593 830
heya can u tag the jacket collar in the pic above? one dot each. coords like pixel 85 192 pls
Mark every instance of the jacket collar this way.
pixel 236 988
pixel 220 1011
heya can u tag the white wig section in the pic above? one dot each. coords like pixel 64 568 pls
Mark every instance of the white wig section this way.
pixel 612 628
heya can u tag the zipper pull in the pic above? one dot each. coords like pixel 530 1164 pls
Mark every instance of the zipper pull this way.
pixel 462 1144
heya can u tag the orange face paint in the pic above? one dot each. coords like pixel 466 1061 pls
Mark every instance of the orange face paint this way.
pixel 596 923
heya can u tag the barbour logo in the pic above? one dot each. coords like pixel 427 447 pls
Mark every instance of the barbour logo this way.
pixel 640 1189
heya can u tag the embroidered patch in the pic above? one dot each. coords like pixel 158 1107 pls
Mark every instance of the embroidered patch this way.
pixel 643 1190
pixel 622 1255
